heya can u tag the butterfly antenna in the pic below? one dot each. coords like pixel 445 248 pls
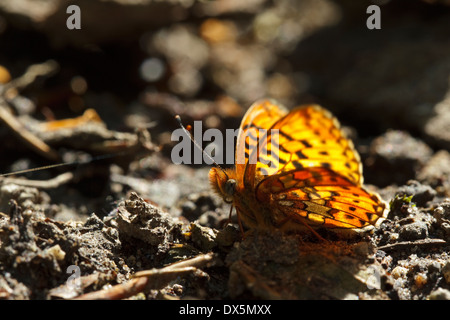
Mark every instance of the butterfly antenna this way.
pixel 63 164
pixel 178 118
pixel 36 169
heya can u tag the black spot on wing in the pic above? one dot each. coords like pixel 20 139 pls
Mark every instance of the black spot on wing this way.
pixel 297 165
pixel 300 155
pixel 306 143
pixel 325 165
pixel 285 135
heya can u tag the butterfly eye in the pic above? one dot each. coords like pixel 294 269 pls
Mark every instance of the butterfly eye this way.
pixel 230 188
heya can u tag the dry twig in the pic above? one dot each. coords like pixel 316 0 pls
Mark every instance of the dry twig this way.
pixel 407 244
pixel 34 71
pixel 8 118
pixel 41 184
pixel 149 279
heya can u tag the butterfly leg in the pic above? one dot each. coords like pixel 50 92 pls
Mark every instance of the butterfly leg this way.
pixel 240 223
pixel 229 217
pixel 314 232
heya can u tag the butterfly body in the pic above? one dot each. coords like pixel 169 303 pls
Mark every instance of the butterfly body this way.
pixel 252 213
pixel 296 170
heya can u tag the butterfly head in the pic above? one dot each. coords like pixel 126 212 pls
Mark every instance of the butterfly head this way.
pixel 223 183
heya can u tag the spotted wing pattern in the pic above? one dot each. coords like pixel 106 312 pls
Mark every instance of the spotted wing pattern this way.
pixel 298 168
pixel 320 197
pixel 260 116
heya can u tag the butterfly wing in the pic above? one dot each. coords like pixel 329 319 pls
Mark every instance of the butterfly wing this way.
pixel 319 197
pixel 260 116
pixel 308 137
pixel 301 165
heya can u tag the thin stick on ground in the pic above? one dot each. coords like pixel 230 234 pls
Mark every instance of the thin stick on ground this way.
pixel 149 279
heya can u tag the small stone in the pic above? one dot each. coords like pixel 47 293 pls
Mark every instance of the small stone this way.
pixel 414 231
pixel 393 236
pixel 399 272
pixel 446 272
pixel 188 208
pixel 227 236
pixel 438 212
pixel 439 294
pixel 435 266
pixel 446 227
pixel 437 127
pixel 421 193
pixel 436 171
pixel 203 237
pixel 56 252
pixel 420 280
pixel 395 157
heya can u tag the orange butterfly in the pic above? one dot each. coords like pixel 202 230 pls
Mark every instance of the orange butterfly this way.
pixel 312 176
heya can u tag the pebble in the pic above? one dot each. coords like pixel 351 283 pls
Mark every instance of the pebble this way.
pixel 439 294
pixel 399 272
pixel 56 252
pixel 446 272
pixel 420 280
pixel 414 231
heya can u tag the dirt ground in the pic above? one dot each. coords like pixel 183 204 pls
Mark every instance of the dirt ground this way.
pixel 120 220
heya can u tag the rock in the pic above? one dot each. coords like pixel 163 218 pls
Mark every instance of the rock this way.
pixel 437 127
pixel 144 221
pixel 421 193
pixel 414 231
pixel 439 294
pixel 36 252
pixel 446 272
pixel 26 197
pixel 436 172
pixel 227 236
pixel 204 238
pixel 395 157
